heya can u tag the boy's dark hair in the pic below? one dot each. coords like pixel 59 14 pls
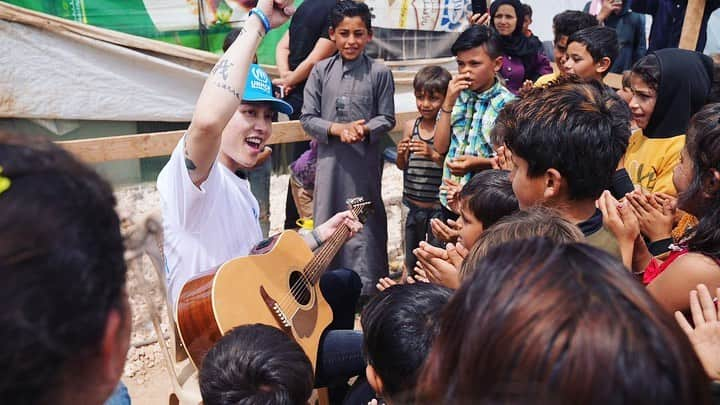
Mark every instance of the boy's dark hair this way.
pixel 539 322
pixel 579 128
pixel 62 266
pixel 600 42
pixel 432 79
pixel 350 8
pixel 256 364
pixel 476 36
pixel 570 21
pixel 489 196
pixel 527 10
pixel 399 326
pixel 648 68
pixel 503 120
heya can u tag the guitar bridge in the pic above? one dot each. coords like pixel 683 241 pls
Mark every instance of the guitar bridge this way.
pixel 278 314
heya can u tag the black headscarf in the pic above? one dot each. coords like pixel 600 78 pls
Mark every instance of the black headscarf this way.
pixel 517 44
pixel 685 80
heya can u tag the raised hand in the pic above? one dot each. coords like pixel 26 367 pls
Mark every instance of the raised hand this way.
pixel 277 11
pixel 479 19
pixel 705 336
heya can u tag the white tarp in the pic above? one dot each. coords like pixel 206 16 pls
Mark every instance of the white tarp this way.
pixel 46 75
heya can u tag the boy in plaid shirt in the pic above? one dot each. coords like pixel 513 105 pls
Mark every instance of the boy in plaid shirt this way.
pixel 474 99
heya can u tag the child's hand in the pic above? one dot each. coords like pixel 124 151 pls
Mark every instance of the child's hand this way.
pixel 461 165
pixel 619 218
pixel 437 266
pixel 403 146
pixel 526 87
pixel 350 132
pixel 460 82
pixel 655 214
pixel 451 189
pixel 705 335
pixel 444 232
pixel 421 148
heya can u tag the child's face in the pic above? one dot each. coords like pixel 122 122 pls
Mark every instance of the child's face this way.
pixel 579 62
pixel 471 228
pixel 350 37
pixel 530 191
pixel 479 67
pixel 643 101
pixel 560 50
pixel 428 103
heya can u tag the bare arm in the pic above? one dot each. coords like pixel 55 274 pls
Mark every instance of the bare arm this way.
pixel 443 126
pixel 671 288
pixel 403 150
pixel 223 91
pixel 220 97
pixel 282 54
pixel 324 48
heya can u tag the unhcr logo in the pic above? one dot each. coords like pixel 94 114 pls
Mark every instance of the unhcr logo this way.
pixel 260 81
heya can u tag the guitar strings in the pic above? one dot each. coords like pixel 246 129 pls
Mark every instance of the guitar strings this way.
pixel 315 267
pixel 315 262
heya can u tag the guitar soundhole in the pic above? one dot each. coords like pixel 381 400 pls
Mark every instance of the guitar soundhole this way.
pixel 300 287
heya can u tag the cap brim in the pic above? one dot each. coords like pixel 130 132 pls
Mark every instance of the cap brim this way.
pixel 277 104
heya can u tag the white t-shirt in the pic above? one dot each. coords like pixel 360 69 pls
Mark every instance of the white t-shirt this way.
pixel 206 226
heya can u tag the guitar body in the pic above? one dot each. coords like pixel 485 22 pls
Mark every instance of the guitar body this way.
pixel 268 288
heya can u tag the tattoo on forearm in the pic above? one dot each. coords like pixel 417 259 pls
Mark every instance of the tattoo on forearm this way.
pixel 222 68
pixel 189 164
pixel 227 87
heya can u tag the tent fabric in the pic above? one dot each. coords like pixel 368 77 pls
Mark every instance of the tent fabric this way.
pixel 51 76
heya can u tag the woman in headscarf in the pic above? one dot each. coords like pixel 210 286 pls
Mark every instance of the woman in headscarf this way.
pixel 523 57
pixel 668 86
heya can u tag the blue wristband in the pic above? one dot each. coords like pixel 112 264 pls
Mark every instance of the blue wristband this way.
pixel 263 18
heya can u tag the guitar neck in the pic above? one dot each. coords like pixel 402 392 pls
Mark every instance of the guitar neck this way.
pixel 317 266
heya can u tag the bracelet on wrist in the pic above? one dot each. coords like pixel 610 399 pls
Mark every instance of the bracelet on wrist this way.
pixel 263 18
pixel 446 111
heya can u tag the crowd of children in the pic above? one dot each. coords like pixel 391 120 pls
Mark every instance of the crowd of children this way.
pixel 554 226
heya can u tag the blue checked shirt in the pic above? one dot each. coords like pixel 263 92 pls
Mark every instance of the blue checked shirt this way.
pixel 470 123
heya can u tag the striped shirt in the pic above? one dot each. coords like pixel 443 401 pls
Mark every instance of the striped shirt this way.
pixel 472 119
pixel 423 177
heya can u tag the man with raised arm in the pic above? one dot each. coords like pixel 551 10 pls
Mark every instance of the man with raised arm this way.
pixel 209 214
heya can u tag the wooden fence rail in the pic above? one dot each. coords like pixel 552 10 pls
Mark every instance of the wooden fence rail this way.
pixel 98 150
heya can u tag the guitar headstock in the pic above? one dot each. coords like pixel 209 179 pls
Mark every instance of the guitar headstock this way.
pixel 360 207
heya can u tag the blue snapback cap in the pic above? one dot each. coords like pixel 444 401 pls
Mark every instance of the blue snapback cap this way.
pixel 258 87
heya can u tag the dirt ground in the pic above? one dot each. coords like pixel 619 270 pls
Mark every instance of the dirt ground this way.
pixel 145 374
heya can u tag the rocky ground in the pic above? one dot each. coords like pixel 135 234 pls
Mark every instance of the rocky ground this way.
pixel 144 374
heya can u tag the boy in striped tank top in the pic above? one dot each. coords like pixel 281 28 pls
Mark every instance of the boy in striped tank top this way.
pixel 421 164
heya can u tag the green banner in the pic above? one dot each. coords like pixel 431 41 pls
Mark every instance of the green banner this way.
pixel 192 23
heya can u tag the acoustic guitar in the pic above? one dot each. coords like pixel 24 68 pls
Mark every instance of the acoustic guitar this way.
pixel 277 285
